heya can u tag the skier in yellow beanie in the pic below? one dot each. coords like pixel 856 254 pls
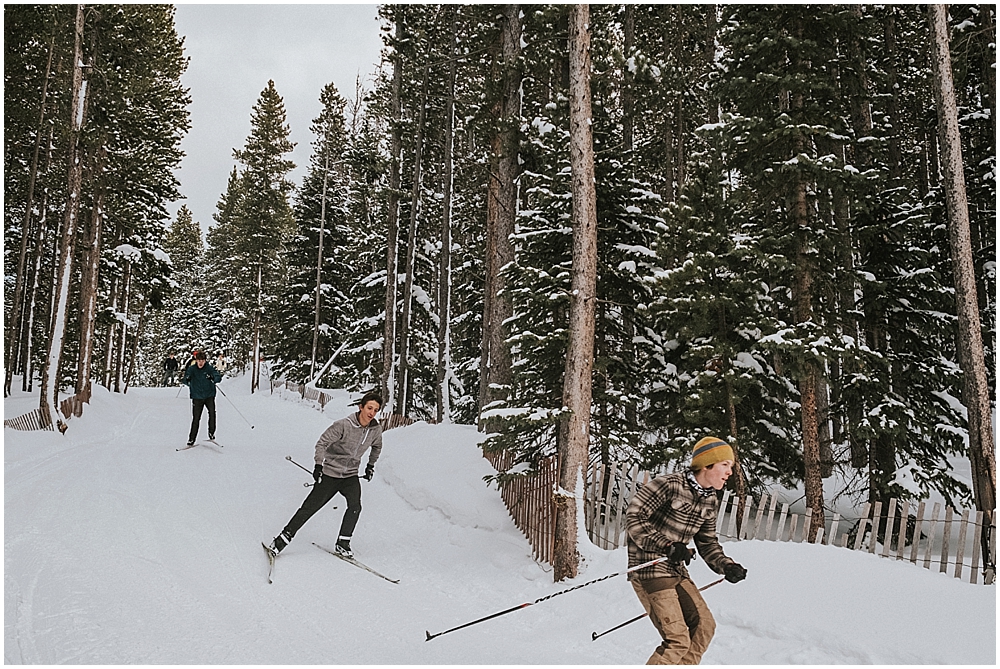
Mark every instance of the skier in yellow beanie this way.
pixel 663 517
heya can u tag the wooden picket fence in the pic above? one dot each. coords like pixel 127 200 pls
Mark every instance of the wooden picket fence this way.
pixel 903 532
pixel 36 419
pixel 529 499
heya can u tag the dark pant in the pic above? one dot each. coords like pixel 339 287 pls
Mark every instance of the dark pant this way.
pixel 322 493
pixel 196 407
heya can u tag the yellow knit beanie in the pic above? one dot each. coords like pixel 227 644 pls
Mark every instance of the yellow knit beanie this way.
pixel 710 450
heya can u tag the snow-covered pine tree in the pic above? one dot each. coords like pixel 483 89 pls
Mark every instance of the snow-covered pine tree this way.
pixel 264 219
pixel 315 305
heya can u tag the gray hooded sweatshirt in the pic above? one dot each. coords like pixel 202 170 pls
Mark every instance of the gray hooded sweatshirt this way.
pixel 342 445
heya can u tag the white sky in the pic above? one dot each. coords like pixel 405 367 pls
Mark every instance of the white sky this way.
pixel 233 51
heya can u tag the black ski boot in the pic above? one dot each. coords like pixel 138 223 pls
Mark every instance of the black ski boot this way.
pixel 344 547
pixel 279 543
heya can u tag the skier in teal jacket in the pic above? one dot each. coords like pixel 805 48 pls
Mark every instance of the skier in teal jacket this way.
pixel 201 378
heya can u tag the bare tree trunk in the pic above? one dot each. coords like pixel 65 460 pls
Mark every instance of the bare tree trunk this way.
pixel 411 251
pixel 13 340
pixel 319 264
pixel 49 392
pixel 255 368
pixel 135 346
pixel 739 476
pixel 444 282
pixel 975 392
pixel 109 336
pixel 577 387
pixel 501 212
pixel 123 329
pixel 88 289
pixel 711 32
pixel 802 296
pixel 628 95
pixel 392 232
pixel 894 153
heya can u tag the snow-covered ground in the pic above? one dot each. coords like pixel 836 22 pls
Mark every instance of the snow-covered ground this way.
pixel 118 549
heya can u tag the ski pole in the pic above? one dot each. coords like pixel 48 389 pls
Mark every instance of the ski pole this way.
pixel 234 406
pixel 542 599
pixel 304 485
pixel 594 636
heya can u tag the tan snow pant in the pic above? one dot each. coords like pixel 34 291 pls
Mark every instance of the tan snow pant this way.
pixel 681 617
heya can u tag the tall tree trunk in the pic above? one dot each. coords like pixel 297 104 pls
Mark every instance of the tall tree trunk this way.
pixel 123 329
pixel 319 264
pixel 628 95
pixel 392 232
pixel 501 212
pixel 88 287
pixel 711 32
pixel 975 392
pixel 135 345
pixel 109 336
pixel 444 281
pixel 255 368
pixel 580 349
pixel 49 391
pixel 739 476
pixel 402 382
pixel 13 340
pixel 889 32
pixel 802 296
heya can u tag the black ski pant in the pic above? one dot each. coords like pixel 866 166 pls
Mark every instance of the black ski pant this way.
pixel 322 493
pixel 196 407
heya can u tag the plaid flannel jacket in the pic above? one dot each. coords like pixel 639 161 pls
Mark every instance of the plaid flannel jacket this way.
pixel 666 510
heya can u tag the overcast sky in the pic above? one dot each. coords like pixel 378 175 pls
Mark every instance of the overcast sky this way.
pixel 233 51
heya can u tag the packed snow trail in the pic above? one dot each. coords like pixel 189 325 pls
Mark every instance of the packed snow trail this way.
pixel 118 549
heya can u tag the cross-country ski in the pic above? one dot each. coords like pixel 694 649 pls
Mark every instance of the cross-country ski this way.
pixel 270 560
pixel 355 562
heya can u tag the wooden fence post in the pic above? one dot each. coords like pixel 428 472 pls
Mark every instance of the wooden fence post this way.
pixel 930 535
pixel 945 536
pixel 862 524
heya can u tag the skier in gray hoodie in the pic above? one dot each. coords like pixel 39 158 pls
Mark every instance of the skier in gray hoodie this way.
pixel 338 457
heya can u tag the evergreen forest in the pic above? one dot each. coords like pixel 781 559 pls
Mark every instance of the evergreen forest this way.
pixel 775 248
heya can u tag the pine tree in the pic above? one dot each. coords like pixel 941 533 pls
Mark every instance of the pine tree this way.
pixel 264 220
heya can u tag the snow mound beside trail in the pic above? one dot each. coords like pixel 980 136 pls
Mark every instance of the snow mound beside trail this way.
pixel 444 472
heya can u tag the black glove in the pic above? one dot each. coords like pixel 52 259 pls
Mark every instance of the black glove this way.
pixel 317 473
pixel 369 472
pixel 734 572
pixel 679 552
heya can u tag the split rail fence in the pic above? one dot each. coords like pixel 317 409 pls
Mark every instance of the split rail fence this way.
pixel 36 419
pixel 904 531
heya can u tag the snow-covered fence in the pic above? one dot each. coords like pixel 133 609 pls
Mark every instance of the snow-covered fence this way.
pixel 903 531
pixel 898 534
pixel 529 499
pixel 37 420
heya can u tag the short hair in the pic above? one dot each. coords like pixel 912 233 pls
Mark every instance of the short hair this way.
pixel 370 396
pixel 200 355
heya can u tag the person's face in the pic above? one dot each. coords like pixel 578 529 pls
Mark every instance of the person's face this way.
pixel 201 363
pixel 715 476
pixel 368 411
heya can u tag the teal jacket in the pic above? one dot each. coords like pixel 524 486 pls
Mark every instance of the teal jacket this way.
pixel 202 380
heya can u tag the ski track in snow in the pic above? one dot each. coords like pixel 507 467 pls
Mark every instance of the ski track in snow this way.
pixel 121 550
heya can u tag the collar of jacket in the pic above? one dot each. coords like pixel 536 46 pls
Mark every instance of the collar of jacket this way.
pixel 357 422
pixel 697 487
